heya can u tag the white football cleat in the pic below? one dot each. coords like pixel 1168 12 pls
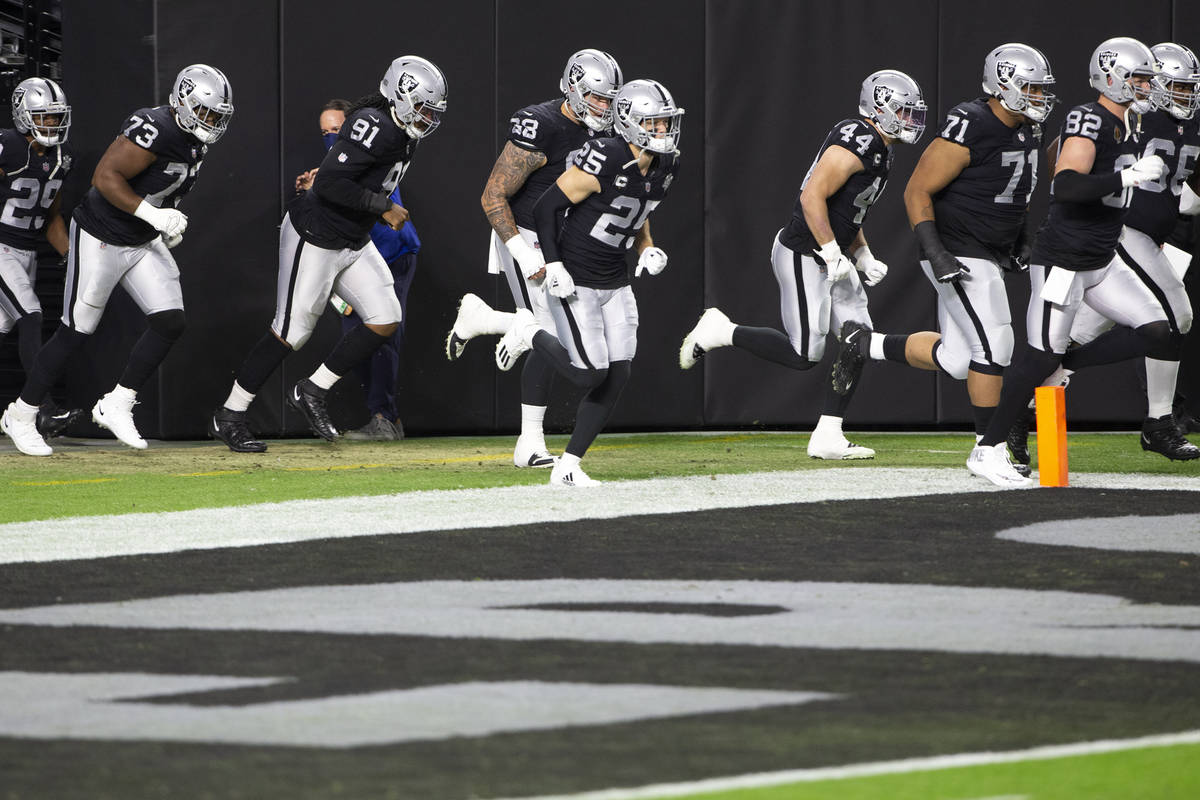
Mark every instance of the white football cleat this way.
pixel 834 446
pixel 563 477
pixel 992 463
pixel 532 452
pixel 516 340
pixel 470 322
pixel 712 331
pixel 115 412
pixel 22 428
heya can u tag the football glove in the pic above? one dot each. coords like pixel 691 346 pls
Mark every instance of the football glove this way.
pixel 172 241
pixel 652 260
pixel 837 266
pixel 558 281
pixel 947 268
pixel 1144 170
pixel 167 221
pixel 871 267
pixel 527 257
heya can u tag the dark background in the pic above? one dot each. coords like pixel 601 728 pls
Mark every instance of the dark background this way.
pixel 762 82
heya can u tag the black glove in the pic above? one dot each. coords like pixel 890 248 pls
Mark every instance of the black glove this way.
pixel 1018 261
pixel 946 268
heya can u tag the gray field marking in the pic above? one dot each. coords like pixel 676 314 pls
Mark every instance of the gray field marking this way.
pixel 1177 533
pixel 305 520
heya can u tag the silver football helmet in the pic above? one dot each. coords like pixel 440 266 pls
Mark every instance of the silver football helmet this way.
pixel 893 100
pixel 590 82
pixel 1176 89
pixel 203 101
pixel 1019 77
pixel 645 115
pixel 416 91
pixel 33 101
pixel 1115 63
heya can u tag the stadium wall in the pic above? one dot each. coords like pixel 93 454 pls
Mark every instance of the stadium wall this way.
pixel 762 82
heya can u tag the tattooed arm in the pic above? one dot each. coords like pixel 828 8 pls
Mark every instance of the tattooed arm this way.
pixel 509 174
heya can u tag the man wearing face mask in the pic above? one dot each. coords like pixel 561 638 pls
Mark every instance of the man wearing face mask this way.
pixel 399 249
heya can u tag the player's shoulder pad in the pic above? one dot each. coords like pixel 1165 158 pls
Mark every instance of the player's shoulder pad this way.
pixel 533 127
pixel 602 157
pixel 373 131
pixel 151 128
pixel 1089 121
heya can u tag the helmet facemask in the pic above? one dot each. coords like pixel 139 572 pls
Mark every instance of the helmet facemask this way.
pixel 1021 98
pixel 1180 98
pixel 593 108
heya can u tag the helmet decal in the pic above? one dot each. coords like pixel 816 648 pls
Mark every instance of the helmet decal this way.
pixel 1105 59
pixel 407 82
pixel 1005 70
pixel 882 95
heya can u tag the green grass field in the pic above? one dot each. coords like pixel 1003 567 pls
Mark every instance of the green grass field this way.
pixel 1159 773
pixel 86 478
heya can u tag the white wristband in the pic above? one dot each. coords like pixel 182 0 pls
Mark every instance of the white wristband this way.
pixel 861 253
pixel 528 258
pixel 149 213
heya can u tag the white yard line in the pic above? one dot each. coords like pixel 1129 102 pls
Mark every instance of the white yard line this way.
pixel 409 512
pixel 766 779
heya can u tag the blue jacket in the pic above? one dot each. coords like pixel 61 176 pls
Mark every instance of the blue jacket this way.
pixel 393 244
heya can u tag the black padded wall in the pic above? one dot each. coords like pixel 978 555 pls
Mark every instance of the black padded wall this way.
pixel 762 82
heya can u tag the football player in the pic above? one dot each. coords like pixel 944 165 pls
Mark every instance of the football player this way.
pixel 610 188
pixel 967 202
pixel 121 233
pixel 542 139
pixel 1074 257
pixel 1171 131
pixel 33 165
pixel 325 247
pixel 846 178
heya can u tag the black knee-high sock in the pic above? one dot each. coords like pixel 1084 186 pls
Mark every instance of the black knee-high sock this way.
pixel 29 339
pixel 769 344
pixel 549 347
pixel 1020 379
pixel 267 354
pixel 537 376
pixel 49 364
pixel 596 407
pixel 152 347
pixel 1120 344
pixel 355 347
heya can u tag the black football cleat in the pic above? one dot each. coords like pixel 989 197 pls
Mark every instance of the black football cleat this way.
pixel 1162 436
pixel 1018 440
pixel 52 421
pixel 231 428
pixel 853 353
pixel 309 399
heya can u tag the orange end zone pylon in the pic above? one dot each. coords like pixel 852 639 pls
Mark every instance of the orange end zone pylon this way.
pixel 1051 402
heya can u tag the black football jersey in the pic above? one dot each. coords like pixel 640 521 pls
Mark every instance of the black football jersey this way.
pixel 1154 209
pixel 848 206
pixel 1083 236
pixel 544 128
pixel 353 185
pixel 598 231
pixel 28 188
pixel 163 184
pixel 982 211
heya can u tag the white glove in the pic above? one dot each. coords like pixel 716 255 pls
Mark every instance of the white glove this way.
pixel 558 280
pixel 528 258
pixel 652 260
pixel 1144 170
pixel 870 266
pixel 167 221
pixel 172 241
pixel 837 266
pixel 1189 203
